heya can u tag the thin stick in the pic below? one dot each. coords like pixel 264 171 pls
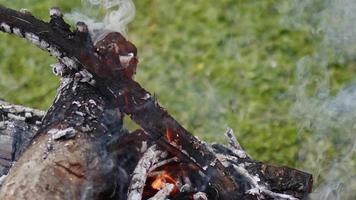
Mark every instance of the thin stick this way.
pixel 163 193
pixel 163 162
pixel 141 172
pixel 234 144
pixel 200 196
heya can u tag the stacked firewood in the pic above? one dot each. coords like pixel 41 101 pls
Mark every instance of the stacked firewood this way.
pixel 80 149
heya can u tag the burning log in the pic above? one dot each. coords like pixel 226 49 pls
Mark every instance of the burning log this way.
pixel 82 150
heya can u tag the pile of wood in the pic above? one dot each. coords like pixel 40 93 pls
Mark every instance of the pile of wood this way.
pixel 80 148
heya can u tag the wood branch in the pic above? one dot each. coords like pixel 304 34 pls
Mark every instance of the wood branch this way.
pixel 141 171
pixel 263 180
pixel 200 196
pixel 163 193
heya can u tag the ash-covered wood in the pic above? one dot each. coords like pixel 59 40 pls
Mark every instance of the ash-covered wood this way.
pixel 139 175
pixel 163 193
pixel 83 151
pixel 18 125
pixel 75 167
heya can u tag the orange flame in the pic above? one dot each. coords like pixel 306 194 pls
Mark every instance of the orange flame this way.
pixel 168 135
pixel 161 180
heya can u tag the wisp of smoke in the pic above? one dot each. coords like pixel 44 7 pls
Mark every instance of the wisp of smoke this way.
pixel 327 129
pixel 103 16
pixel 327 122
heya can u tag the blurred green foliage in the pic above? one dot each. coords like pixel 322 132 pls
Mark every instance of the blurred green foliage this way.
pixel 212 64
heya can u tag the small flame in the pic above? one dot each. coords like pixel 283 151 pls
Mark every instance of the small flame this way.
pixel 161 180
pixel 169 134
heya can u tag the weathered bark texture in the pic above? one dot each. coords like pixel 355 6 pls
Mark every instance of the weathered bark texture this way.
pixel 82 150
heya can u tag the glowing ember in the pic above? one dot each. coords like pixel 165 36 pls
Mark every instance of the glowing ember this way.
pixel 168 135
pixel 161 180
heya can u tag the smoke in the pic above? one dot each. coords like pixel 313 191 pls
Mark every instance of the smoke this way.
pixel 327 131
pixel 103 16
pixel 327 122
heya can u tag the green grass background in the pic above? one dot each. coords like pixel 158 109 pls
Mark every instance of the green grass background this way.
pixel 212 64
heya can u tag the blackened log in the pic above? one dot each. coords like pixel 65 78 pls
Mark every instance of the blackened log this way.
pixel 279 180
pixel 122 91
pixel 124 94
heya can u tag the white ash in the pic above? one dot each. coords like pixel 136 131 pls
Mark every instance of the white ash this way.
pixel 49 147
pixel 64 84
pixel 58 69
pixel 54 52
pixel 250 178
pixel 200 196
pixel 62 133
pixel 34 39
pixel 163 193
pixel 185 188
pixel 262 192
pixel 69 62
pixel 75 84
pixel 55 12
pixel 253 180
pixel 225 158
pixel 44 45
pixel 163 155
pixel 6 27
pixel 92 102
pixel 143 146
pixel 163 162
pixel 125 60
pixel 87 110
pixel 77 103
pixel 15 117
pixel 82 27
pixel 85 128
pixel 17 32
pixel 234 145
pixel 92 82
pixel 2 179
pixel 20 109
pixel 279 196
pixel 147 96
pixel 79 113
pixel 213 163
pixel 25 11
pixel 28 115
pixel 86 76
pixel 140 173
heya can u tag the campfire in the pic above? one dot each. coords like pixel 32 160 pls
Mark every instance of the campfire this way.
pixel 80 148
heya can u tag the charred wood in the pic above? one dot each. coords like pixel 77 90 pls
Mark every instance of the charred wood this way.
pixel 18 125
pixel 82 150
pixel 68 159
